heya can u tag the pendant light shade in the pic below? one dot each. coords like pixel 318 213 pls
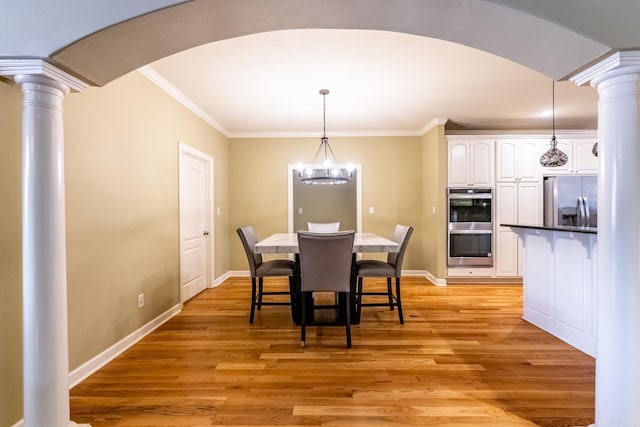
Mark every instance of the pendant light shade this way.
pixel 554 157
pixel 324 169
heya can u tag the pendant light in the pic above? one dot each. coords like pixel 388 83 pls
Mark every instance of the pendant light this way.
pixel 554 157
pixel 324 169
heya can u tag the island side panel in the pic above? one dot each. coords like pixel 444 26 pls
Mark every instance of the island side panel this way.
pixel 560 283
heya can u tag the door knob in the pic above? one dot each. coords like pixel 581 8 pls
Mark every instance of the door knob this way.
pixel 205 233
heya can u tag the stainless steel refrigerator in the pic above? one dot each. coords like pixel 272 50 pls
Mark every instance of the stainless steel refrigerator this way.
pixel 571 200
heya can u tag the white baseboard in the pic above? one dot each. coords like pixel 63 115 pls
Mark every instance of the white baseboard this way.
pixel 433 279
pixel 220 279
pixel 408 273
pixel 71 424
pixel 413 273
pixel 239 273
pixel 426 274
pixel 84 371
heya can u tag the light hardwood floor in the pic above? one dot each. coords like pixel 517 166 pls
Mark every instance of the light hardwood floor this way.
pixel 464 357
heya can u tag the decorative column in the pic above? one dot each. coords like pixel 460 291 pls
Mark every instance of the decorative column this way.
pixel 617 80
pixel 44 270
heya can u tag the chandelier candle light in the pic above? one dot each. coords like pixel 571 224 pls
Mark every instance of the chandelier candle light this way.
pixel 324 170
pixel 554 157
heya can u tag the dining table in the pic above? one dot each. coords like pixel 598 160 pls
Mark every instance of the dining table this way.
pixel 287 243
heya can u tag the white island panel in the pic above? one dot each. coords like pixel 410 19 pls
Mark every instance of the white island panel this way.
pixel 538 306
pixel 559 283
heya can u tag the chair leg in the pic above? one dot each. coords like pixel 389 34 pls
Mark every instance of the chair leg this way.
pixel 348 324
pixel 260 290
pixel 390 293
pixel 303 321
pixel 253 299
pixel 359 295
pixel 399 300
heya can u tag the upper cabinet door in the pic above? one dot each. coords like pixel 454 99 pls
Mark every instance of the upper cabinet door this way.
pixel 566 146
pixel 458 163
pixel 506 160
pixel 517 160
pixel 581 159
pixel 471 163
pixel 529 152
pixel 584 160
pixel 482 167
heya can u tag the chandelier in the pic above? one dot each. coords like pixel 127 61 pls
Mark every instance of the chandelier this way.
pixel 324 169
pixel 554 157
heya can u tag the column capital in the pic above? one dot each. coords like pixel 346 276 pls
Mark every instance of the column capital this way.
pixel 619 63
pixel 40 67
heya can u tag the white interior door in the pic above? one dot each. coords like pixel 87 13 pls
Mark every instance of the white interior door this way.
pixel 196 226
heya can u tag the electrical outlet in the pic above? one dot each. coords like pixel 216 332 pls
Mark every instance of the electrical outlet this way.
pixel 140 300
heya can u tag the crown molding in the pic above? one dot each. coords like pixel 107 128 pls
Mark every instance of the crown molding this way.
pixel 433 123
pixel 153 76
pixel 316 134
pixel 40 67
pixel 521 134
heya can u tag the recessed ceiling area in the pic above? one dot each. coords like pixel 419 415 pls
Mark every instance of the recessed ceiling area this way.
pixel 380 83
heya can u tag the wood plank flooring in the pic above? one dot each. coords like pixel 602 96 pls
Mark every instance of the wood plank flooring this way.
pixel 464 357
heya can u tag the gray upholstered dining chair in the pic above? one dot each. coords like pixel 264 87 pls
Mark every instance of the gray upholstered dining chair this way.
pixel 323 227
pixel 389 269
pixel 260 269
pixel 325 266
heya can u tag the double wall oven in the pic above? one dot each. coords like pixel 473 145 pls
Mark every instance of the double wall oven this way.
pixel 470 228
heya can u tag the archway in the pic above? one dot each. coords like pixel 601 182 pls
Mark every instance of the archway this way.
pixel 113 50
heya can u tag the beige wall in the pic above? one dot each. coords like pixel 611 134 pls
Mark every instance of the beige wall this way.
pixel 121 155
pixel 121 160
pixel 434 169
pixel 10 256
pixel 391 182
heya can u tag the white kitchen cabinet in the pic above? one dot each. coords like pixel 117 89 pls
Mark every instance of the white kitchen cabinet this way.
pixel 580 158
pixel 517 160
pixel 471 163
pixel 470 272
pixel 516 203
pixel 583 158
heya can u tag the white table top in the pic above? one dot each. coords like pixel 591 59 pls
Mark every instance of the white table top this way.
pixel 288 243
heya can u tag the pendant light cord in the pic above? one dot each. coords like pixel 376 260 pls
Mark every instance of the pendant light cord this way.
pixel 324 115
pixel 553 106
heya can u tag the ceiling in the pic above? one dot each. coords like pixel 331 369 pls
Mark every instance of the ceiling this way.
pixel 380 83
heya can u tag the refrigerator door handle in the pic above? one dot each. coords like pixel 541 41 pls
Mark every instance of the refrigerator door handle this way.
pixel 581 212
pixel 587 214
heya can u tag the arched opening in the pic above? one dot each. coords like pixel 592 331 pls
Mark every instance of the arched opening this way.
pixel 111 51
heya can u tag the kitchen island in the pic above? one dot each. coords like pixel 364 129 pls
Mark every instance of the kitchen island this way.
pixel 560 281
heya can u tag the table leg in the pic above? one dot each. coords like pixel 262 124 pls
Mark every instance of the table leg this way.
pixel 355 313
pixel 296 292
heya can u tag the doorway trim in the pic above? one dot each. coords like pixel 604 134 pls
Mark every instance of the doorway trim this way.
pixel 186 150
pixel 358 169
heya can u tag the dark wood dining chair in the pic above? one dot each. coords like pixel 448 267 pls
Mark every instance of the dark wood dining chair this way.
pixel 325 266
pixel 389 269
pixel 260 269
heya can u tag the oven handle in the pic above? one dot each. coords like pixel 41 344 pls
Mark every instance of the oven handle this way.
pixel 470 196
pixel 470 231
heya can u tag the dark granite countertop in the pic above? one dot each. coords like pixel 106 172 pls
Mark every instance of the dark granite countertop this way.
pixel 566 228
